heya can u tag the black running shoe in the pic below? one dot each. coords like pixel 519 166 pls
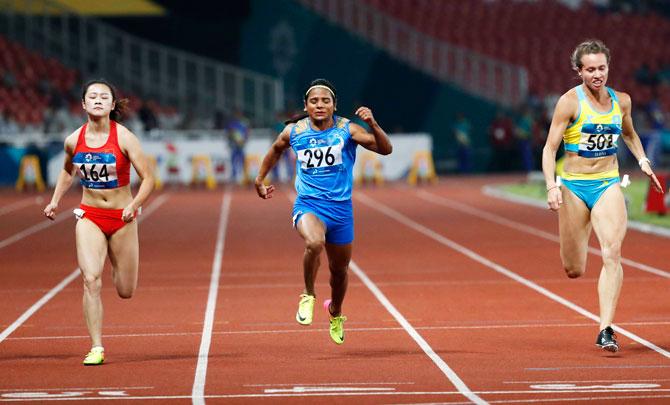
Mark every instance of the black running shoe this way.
pixel 607 340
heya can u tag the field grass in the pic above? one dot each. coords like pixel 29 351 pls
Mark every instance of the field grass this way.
pixel 635 193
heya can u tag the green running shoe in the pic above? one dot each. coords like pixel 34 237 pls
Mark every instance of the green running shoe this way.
pixel 95 357
pixel 336 324
pixel 305 312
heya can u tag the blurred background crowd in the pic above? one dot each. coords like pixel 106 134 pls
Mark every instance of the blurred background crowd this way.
pixel 480 77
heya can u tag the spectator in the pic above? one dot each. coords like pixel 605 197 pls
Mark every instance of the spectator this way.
pixel 238 135
pixel 501 134
pixel 7 124
pixel 523 132
pixel 147 115
pixel 462 130
pixel 645 76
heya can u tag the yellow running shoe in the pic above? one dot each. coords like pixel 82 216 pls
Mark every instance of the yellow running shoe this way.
pixel 95 357
pixel 336 325
pixel 305 312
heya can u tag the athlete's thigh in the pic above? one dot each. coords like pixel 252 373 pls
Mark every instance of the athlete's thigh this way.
pixel 124 253
pixel 574 228
pixel 339 255
pixel 609 217
pixel 91 248
pixel 311 228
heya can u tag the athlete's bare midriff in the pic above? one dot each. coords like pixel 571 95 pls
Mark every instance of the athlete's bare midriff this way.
pixel 577 164
pixel 117 198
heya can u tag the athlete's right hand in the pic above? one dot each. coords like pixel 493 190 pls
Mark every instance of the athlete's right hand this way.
pixel 554 198
pixel 263 191
pixel 50 211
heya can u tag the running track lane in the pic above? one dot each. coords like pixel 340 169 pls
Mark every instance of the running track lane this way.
pixel 635 305
pixel 567 333
pixel 151 340
pixel 25 274
pixel 260 353
pixel 434 288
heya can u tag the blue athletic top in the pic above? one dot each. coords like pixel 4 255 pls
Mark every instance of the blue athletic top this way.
pixel 325 160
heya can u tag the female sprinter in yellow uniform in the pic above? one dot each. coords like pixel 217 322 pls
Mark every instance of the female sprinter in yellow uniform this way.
pixel 589 119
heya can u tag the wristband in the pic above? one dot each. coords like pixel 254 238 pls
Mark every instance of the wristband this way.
pixel 642 160
pixel 552 187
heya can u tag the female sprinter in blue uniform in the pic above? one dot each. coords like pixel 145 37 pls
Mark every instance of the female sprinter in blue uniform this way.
pixel 325 146
pixel 589 119
pixel 101 152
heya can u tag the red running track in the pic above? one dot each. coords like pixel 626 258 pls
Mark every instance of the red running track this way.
pixel 454 297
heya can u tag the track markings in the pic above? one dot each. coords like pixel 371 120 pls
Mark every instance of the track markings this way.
pixel 67 280
pixel 314 388
pixel 439 200
pixel 439 362
pixel 378 206
pixel 45 223
pixel 572 387
pixel 198 392
pixel 654 394
pixel 17 205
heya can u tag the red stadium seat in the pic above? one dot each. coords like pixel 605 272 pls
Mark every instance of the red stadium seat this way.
pixel 518 32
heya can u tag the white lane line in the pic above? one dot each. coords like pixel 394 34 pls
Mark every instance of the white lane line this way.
pixel 625 380
pixel 500 269
pixel 67 280
pixel 309 388
pixel 312 330
pixel 435 199
pixel 74 389
pixel 627 398
pixel 662 393
pixel 504 195
pixel 45 223
pixel 39 304
pixel 595 367
pixel 339 384
pixel 441 364
pixel 17 205
pixel 198 392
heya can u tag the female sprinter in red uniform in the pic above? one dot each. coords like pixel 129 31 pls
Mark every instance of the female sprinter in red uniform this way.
pixel 101 152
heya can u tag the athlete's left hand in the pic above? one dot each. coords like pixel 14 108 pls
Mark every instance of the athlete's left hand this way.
pixel 263 191
pixel 646 168
pixel 128 213
pixel 366 115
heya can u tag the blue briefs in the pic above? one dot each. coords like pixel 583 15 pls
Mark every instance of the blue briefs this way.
pixel 589 191
pixel 337 216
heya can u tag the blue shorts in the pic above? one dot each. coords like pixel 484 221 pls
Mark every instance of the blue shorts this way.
pixel 337 216
pixel 589 191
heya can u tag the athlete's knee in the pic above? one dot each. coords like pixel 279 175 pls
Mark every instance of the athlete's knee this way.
pixel 314 246
pixel 338 271
pixel 92 284
pixel 124 283
pixel 611 251
pixel 125 292
pixel 574 270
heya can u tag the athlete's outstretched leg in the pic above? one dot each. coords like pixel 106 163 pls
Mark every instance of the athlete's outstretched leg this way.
pixel 609 223
pixel 313 232
pixel 339 257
